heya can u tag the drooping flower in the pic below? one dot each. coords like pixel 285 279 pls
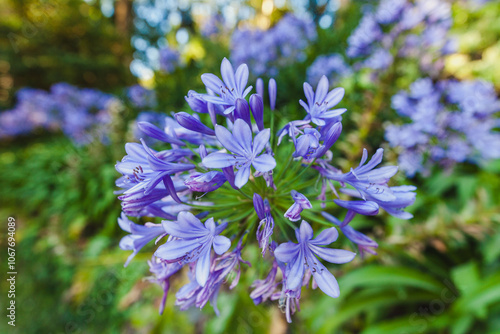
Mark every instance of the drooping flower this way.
pixel 245 151
pixel 320 104
pixel 233 86
pixel 162 272
pixel 195 242
pixel 300 256
pixel 266 225
pixel 300 203
pixel 139 235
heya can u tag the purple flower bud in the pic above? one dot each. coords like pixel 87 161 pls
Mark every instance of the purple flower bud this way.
pixel 229 174
pixel 196 102
pixel 258 204
pixel 191 123
pixel 242 111
pixel 272 93
pixel 153 132
pixel 205 182
pixel 257 107
pixel 212 113
pixel 329 134
pixel 260 87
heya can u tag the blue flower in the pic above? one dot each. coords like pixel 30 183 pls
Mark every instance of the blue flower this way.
pixel 228 91
pixel 139 235
pixel 205 182
pixel 320 103
pixel 194 244
pixel 300 256
pixel 245 152
pixel 162 271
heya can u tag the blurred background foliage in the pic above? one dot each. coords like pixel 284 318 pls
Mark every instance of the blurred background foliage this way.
pixel 436 273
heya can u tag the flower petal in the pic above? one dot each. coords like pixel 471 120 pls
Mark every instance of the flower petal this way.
pixel 264 163
pixel 241 78
pixel 176 249
pixel 326 237
pixel 326 281
pixel 286 252
pixel 260 140
pixel 243 135
pixel 203 266
pixel 219 160
pixel 332 255
pixel 227 73
pixel 306 231
pixel 228 141
pixel 321 90
pixel 335 96
pixel 242 176
pixel 212 82
pixel 221 244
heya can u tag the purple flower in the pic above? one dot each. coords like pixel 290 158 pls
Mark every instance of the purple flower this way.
pixel 139 235
pixel 266 225
pixel 245 152
pixel 143 166
pixel 300 203
pixel 205 182
pixel 307 144
pixel 264 289
pixel 162 271
pixel 228 91
pixel 142 97
pixel 169 59
pixel 193 294
pixel 320 103
pixel 192 123
pixel 194 244
pixel 364 243
pixel 272 93
pixel 367 180
pixel 300 256
pixel 257 108
pixel 404 196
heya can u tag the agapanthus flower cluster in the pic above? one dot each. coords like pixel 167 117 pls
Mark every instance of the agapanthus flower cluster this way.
pixel 450 121
pixel 332 66
pixel 226 177
pixel 169 59
pixel 82 114
pixel 406 29
pixel 266 51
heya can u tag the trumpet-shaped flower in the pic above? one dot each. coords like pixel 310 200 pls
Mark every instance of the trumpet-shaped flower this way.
pixel 230 88
pixel 300 256
pixel 195 242
pixel 245 151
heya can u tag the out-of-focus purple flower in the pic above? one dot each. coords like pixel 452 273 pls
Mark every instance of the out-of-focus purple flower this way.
pixel 267 51
pixel 300 203
pixel 245 152
pixel 300 256
pixel 272 93
pixel 320 103
pixel 365 244
pixel 228 91
pixel 139 235
pixel 332 66
pixel 195 242
pixel 169 59
pixel 365 34
pixel 205 182
pixel 142 97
